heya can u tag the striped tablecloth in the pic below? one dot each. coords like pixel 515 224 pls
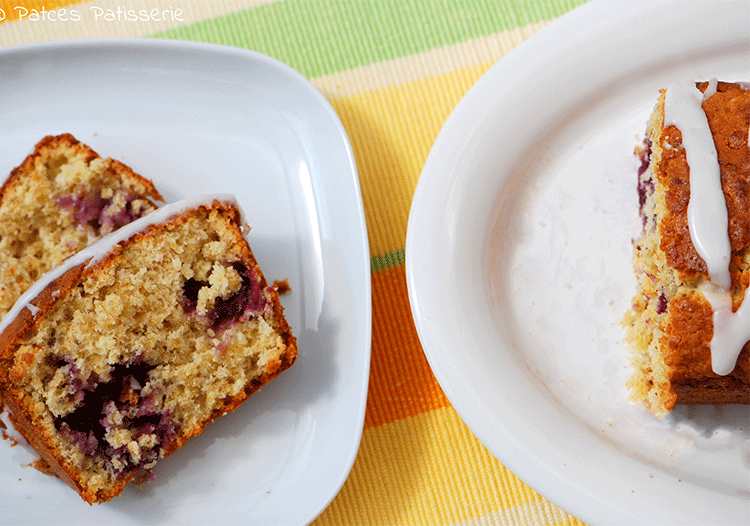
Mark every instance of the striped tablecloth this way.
pixel 393 70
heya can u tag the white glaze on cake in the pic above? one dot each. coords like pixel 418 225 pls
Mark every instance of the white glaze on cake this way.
pixel 731 329
pixel 95 252
pixel 708 220
pixel 710 89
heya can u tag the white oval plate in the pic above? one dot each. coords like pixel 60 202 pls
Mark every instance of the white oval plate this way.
pixel 518 265
pixel 200 119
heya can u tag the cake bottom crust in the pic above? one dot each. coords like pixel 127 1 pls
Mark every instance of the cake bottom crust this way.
pixel 714 391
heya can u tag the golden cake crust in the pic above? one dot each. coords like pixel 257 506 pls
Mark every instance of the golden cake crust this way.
pixel 50 143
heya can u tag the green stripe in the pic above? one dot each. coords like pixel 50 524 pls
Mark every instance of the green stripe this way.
pixel 386 261
pixel 320 37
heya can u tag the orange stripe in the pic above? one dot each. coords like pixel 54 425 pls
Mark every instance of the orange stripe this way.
pixel 401 381
pixel 38 9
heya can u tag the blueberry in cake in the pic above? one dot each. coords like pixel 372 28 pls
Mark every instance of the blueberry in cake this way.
pixel 136 343
pixel 60 199
pixel 690 321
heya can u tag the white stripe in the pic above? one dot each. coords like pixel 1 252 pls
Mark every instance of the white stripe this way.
pixel 90 19
pixel 484 50
pixel 537 513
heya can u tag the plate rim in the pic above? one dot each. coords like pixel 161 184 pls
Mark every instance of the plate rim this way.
pixel 435 185
pixel 360 276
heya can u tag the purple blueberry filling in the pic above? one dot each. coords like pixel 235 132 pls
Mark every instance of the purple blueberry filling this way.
pixel 87 425
pixel 190 291
pixel 662 304
pixel 86 440
pixel 645 156
pixel 93 210
pixel 645 189
pixel 645 186
pixel 227 311
pixel 79 384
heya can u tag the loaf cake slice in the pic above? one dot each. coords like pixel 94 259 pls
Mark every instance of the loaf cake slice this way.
pixel 59 200
pixel 135 344
pixel 690 321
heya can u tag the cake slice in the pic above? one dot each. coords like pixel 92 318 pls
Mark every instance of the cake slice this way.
pixel 59 200
pixel 135 344
pixel 690 321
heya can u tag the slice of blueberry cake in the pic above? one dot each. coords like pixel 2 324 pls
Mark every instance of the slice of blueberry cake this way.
pixel 135 344
pixel 690 321
pixel 59 200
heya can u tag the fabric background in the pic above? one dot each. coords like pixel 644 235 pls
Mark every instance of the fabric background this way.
pixel 393 71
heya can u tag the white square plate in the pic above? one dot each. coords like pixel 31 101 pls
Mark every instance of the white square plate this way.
pixel 201 119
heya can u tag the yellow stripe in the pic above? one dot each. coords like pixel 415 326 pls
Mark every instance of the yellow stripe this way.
pixel 430 469
pixel 391 131
pixel 393 112
pixel 100 18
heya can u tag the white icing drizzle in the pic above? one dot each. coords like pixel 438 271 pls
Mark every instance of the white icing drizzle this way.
pixel 97 251
pixel 708 220
pixel 707 209
pixel 731 329
pixel 710 89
